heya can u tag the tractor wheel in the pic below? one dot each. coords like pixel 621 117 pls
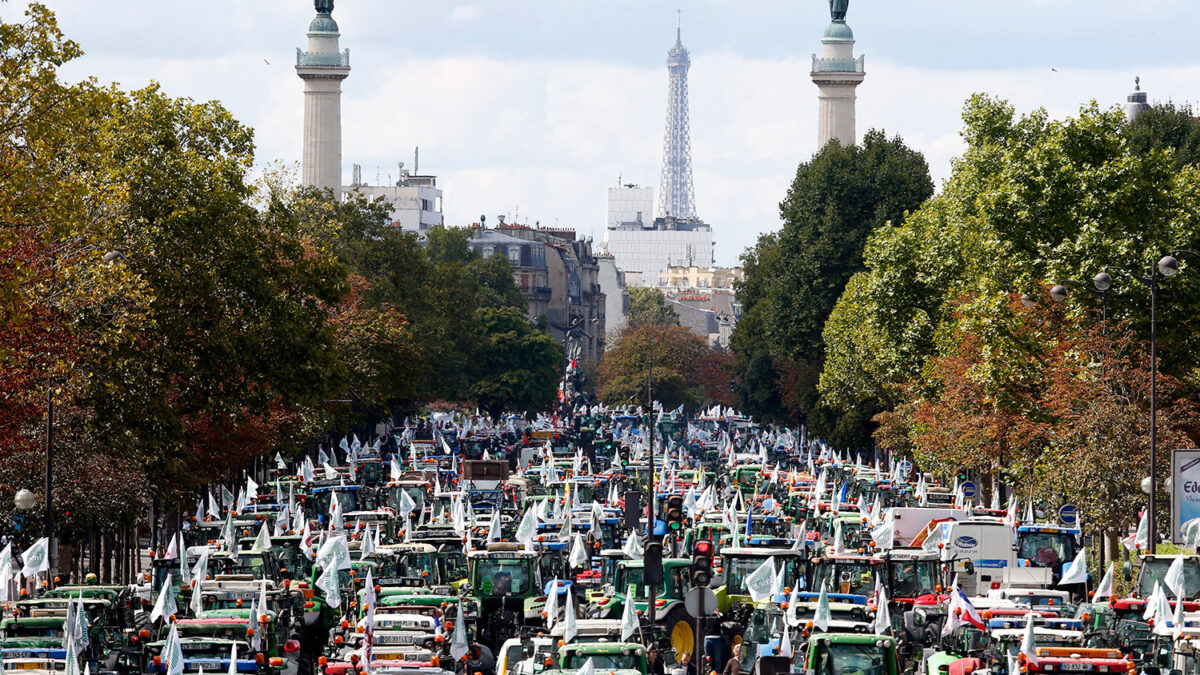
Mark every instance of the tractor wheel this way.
pixel 681 630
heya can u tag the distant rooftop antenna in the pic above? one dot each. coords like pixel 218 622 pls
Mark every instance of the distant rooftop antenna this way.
pixel 416 159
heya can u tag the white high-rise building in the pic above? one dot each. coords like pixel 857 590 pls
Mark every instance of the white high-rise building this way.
pixel 837 73
pixel 629 203
pixel 323 68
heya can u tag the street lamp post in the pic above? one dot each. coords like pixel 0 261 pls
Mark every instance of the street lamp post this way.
pixel 1166 267
pixel 1059 293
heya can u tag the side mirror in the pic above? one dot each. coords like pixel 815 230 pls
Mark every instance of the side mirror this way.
pixel 1127 570
pixel 969 567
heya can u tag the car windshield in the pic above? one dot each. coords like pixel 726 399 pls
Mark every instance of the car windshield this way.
pixel 1047 549
pixel 855 659
pixel 630 575
pixel 1153 571
pixel 911 578
pixel 503 577
pixel 347 499
pixel 846 577
pixel 602 662
pixel 412 563
pixel 736 571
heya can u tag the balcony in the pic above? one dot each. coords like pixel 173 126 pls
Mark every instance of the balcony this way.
pixel 338 60
pixel 820 65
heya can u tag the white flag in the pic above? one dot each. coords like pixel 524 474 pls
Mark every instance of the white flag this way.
pixel 1028 646
pixel 551 607
pixel 494 527
pixel 262 543
pixel 1077 572
pixel 232 658
pixel 199 572
pixel 785 645
pixel 459 646
pixel 883 616
pixel 173 652
pixel 822 615
pixel 790 616
pixel 36 558
pixel 1177 620
pixel 1173 579
pixel 588 668
pixel 579 555
pixel 1105 589
pixel 761 582
pixel 571 629
pixel 629 617
pixel 329 583
pixel 633 547
pixel 165 607
pixel 528 527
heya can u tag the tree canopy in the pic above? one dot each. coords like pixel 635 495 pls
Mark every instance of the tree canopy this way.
pixel 794 277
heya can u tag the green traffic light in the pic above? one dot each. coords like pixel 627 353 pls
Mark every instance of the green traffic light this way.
pixel 675 525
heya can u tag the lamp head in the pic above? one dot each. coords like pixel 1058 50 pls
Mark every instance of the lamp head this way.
pixel 1168 266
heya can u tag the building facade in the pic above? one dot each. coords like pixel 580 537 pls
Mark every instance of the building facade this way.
pixel 415 201
pixel 629 204
pixel 616 296
pixel 559 276
pixel 650 250
pixel 709 313
pixel 703 277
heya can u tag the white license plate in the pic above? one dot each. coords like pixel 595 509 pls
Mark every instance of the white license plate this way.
pixel 1075 666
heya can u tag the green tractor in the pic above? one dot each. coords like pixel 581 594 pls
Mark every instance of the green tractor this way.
pixel 506 584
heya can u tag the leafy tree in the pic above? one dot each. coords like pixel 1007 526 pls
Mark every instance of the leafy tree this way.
pixel 647 304
pixel 714 373
pixel 520 363
pixel 794 277
pixel 666 357
pixel 1032 200
pixel 1167 126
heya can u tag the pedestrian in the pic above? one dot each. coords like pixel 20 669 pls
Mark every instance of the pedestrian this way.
pixel 654 664
pixel 734 664
pixel 686 667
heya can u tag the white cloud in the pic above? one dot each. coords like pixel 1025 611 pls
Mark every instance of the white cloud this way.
pixel 504 127
pixel 466 13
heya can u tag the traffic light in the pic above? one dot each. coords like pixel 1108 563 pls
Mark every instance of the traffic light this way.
pixel 674 515
pixel 633 511
pixel 652 565
pixel 702 557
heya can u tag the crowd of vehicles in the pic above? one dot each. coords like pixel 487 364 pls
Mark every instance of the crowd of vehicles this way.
pixel 522 549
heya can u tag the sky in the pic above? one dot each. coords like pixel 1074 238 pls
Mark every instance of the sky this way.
pixel 532 108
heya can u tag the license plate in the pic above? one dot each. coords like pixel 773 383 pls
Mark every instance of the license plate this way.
pixel 395 639
pixel 18 655
pixel 1075 666
pixel 389 657
pixel 28 666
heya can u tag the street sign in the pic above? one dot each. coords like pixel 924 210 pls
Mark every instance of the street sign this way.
pixel 691 602
pixel 1068 514
pixel 969 489
pixel 905 467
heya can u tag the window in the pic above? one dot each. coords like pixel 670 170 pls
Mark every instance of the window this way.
pixel 514 255
pixel 487 251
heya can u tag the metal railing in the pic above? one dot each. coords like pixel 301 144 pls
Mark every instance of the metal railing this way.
pixel 820 65
pixel 304 58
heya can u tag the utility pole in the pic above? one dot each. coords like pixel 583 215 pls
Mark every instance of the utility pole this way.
pixel 653 496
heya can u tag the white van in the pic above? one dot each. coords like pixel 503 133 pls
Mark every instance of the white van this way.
pixel 989 545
